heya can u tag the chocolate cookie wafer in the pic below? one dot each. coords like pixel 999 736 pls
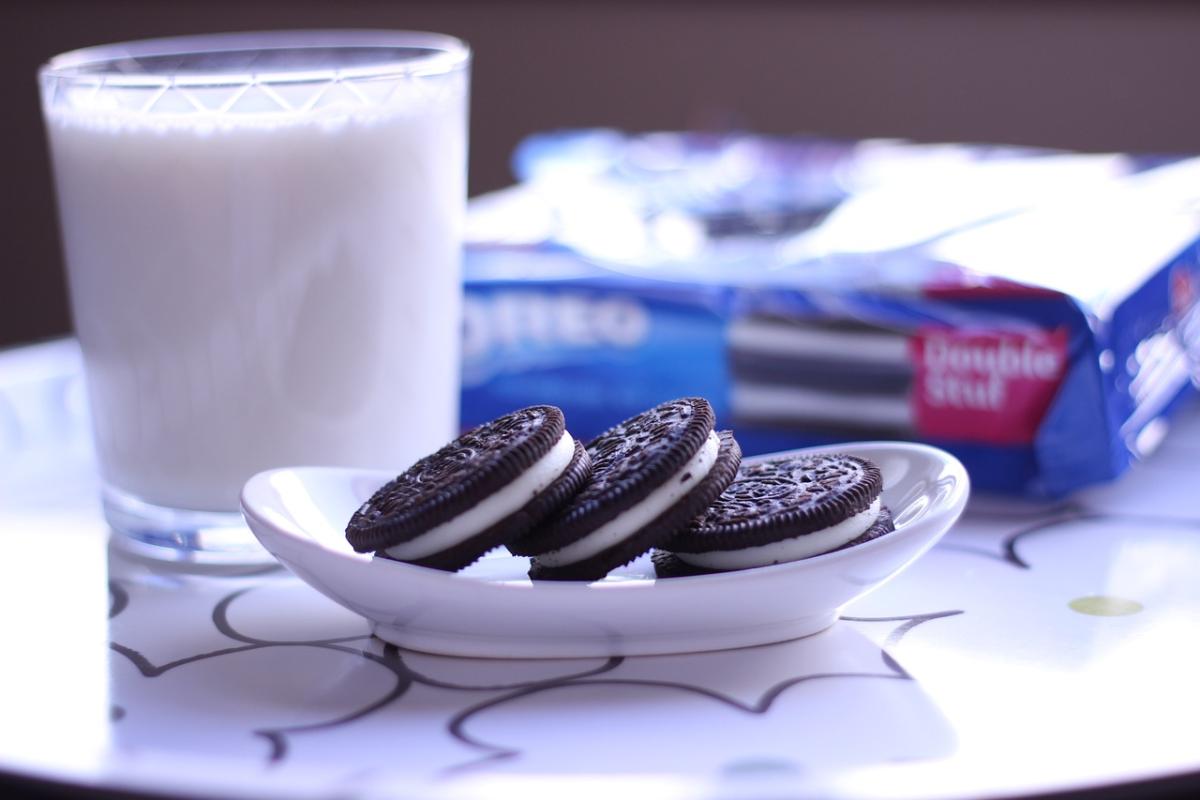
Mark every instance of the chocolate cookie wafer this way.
pixel 651 474
pixel 489 486
pixel 786 509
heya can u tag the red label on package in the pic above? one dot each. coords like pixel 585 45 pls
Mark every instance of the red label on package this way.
pixel 1183 292
pixel 985 386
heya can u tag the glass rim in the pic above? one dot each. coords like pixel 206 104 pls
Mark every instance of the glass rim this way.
pixel 445 54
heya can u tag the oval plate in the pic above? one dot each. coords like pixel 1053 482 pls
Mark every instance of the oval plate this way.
pixel 492 609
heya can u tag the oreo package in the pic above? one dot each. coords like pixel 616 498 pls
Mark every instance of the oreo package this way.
pixel 1033 312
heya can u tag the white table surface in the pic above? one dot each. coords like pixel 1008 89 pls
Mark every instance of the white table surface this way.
pixel 971 674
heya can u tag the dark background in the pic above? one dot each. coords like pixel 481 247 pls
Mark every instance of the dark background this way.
pixel 1108 75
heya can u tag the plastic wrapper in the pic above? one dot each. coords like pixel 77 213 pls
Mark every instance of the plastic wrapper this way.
pixel 1034 312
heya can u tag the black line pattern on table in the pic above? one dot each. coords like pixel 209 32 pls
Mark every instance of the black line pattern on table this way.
pixel 907 624
pixel 1007 551
pixel 220 618
pixel 391 659
pixel 149 669
pixel 266 569
pixel 277 737
pixel 118 598
pixel 495 753
pixel 1009 545
pixel 405 676
pixel 1083 515
pixel 608 666
pixel 960 547
pixel 498 753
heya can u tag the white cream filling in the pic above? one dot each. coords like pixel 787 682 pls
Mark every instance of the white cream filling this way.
pixel 490 510
pixel 809 544
pixel 625 523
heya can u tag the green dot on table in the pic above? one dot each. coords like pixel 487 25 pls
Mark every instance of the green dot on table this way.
pixel 1102 605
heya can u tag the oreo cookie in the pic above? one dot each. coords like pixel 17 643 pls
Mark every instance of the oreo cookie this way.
pixel 786 509
pixel 489 486
pixel 651 474
pixel 669 565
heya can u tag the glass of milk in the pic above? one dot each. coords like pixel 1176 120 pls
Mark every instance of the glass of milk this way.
pixel 262 234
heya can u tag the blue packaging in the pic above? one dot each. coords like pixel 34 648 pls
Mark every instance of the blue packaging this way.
pixel 1033 312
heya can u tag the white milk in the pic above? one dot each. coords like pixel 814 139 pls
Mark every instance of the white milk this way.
pixel 265 291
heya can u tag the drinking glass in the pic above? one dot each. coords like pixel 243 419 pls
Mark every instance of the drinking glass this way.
pixel 262 235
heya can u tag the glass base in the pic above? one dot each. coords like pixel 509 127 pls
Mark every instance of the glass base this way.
pixel 180 536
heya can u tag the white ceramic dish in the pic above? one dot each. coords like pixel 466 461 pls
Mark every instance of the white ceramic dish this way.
pixel 492 609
